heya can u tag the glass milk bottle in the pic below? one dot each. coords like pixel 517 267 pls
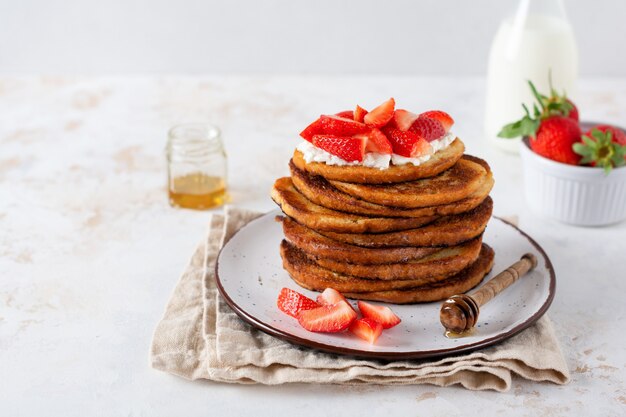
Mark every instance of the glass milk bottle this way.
pixel 536 41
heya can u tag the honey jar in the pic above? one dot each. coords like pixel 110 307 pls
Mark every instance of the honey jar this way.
pixel 196 167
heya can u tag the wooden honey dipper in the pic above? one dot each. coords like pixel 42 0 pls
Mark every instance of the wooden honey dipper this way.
pixel 459 313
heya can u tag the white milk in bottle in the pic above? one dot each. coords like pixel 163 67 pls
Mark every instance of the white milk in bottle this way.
pixel 537 40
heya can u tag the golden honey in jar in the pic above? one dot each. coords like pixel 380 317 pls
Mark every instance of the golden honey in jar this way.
pixel 196 167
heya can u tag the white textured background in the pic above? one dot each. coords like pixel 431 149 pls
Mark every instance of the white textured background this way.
pixel 427 37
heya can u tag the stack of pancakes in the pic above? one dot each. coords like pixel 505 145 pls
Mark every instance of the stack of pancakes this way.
pixel 404 234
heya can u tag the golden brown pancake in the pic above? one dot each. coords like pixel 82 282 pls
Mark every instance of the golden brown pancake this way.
pixel 442 264
pixel 320 246
pixel 309 275
pixel 439 162
pixel 321 218
pixel 454 184
pixel 436 291
pixel 318 190
pixel 445 231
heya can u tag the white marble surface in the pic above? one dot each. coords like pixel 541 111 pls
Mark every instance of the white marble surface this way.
pixel 90 249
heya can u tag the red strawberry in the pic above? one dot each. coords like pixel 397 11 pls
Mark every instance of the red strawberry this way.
pixel 546 108
pixel 340 126
pixel 292 302
pixel 367 329
pixel 408 144
pixel 330 296
pixel 329 318
pixel 348 114
pixel 314 128
pixel 376 142
pixel 381 115
pixel 429 129
pixel 359 113
pixel 603 146
pixel 403 119
pixel 378 313
pixel 554 140
pixel 346 147
pixel 443 117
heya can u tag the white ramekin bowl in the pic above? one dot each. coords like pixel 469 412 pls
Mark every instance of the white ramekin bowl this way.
pixel 578 195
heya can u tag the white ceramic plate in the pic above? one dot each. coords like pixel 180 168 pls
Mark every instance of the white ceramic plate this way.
pixel 250 276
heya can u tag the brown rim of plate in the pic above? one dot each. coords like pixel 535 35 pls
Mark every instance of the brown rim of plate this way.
pixel 392 356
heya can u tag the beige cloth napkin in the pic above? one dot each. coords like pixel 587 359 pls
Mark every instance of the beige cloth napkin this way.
pixel 200 337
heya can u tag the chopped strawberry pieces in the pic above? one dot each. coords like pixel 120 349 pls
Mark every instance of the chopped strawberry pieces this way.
pixel 347 114
pixel 292 302
pixel 376 142
pixel 367 329
pixel 340 126
pixel 311 130
pixel 346 147
pixel 378 313
pixel 443 117
pixel 403 119
pixel 408 144
pixel 359 113
pixel 429 129
pixel 330 296
pixel 330 318
pixel 381 115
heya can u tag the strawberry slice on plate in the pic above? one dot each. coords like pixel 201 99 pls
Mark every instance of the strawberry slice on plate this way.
pixel 330 296
pixel 376 142
pixel 378 313
pixel 341 126
pixel 403 119
pixel 359 113
pixel 381 115
pixel 429 129
pixel 367 329
pixel 408 144
pixel 347 114
pixel 292 302
pixel 347 148
pixel 311 130
pixel 330 318
pixel 443 117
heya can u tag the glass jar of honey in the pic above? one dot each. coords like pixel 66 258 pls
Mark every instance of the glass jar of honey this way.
pixel 196 167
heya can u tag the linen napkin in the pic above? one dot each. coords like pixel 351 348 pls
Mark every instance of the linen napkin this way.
pixel 200 337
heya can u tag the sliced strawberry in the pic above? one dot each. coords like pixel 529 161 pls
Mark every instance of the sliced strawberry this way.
pixel 346 147
pixel 314 128
pixel 329 318
pixel 359 113
pixel 340 126
pixel 367 329
pixel 378 313
pixel 330 296
pixel 348 114
pixel 408 144
pixel 376 142
pixel 429 129
pixel 292 302
pixel 403 119
pixel 443 117
pixel 381 115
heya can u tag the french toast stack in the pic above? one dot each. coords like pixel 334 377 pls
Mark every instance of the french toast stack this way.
pixel 404 234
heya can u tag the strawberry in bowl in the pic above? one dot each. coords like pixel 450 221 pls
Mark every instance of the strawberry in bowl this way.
pixel 574 171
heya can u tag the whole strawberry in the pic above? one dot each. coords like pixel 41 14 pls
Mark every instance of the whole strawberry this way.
pixel 554 139
pixel 552 128
pixel 603 146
